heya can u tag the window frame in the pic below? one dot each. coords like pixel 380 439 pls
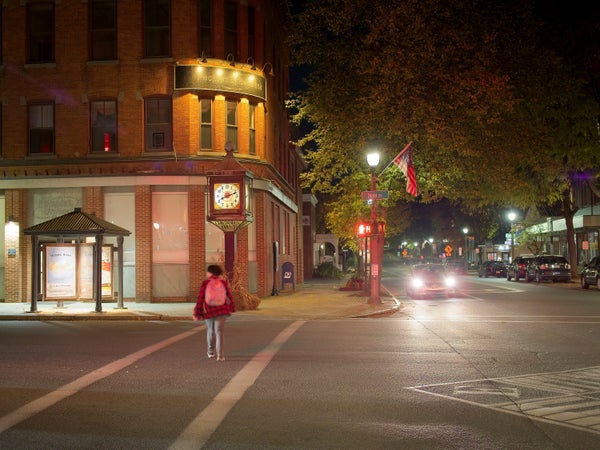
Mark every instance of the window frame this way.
pixel 44 38
pixel 206 126
pixel 41 130
pixel 230 29
pixel 157 37
pixel 205 24
pixel 114 147
pixel 252 129
pixel 158 136
pixel 231 128
pixel 104 34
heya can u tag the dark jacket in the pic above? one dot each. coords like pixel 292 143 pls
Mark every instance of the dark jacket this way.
pixel 203 311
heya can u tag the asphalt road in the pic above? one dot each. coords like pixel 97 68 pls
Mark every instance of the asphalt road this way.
pixel 500 366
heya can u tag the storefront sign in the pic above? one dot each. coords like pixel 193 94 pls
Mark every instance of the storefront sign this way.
pixel 220 79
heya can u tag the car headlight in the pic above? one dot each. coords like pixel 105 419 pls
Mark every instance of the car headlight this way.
pixel 417 282
pixel 450 282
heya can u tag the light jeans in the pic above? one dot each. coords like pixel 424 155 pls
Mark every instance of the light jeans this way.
pixel 215 329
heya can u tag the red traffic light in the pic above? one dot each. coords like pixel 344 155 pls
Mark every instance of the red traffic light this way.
pixel 363 230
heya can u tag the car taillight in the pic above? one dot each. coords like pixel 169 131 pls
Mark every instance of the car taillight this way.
pixel 544 266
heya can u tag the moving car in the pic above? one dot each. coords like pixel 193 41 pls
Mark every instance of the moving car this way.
pixel 590 275
pixel 492 269
pixel 549 267
pixel 430 279
pixel 518 268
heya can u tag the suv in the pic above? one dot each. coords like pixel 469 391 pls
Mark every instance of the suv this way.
pixel 492 268
pixel 548 267
pixel 518 268
pixel 590 275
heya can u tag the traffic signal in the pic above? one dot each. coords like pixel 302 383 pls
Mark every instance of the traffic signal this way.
pixel 363 230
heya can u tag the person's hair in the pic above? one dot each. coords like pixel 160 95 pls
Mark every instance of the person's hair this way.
pixel 215 270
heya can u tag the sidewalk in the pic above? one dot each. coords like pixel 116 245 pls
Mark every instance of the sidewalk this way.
pixel 316 299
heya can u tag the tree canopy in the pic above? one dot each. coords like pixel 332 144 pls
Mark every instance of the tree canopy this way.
pixel 495 117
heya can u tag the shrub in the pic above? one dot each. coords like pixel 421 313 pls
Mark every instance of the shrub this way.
pixel 327 270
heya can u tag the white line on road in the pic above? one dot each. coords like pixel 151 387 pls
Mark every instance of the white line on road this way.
pixel 42 403
pixel 203 426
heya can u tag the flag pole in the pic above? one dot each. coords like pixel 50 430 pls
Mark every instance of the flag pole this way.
pixel 390 163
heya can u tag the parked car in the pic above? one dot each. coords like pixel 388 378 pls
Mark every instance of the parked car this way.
pixel 590 275
pixel 456 265
pixel 492 269
pixel 549 267
pixel 518 268
pixel 425 279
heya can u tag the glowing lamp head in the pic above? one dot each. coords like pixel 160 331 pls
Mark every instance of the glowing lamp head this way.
pixel 373 159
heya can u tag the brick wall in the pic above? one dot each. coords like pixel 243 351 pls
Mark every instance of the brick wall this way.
pixel 93 201
pixel 143 243
pixel 197 244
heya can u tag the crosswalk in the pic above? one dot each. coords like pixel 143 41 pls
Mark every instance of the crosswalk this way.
pixel 568 398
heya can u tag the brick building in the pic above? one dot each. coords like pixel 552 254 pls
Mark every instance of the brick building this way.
pixel 120 108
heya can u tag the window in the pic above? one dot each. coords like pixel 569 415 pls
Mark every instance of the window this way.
pixel 205 124
pixel 103 117
pixel 205 27
pixel 159 124
pixel 252 131
pixel 157 28
pixel 40 29
pixel 103 30
pixel 41 128
pixel 231 122
pixel 231 29
pixel 1 34
pixel 251 32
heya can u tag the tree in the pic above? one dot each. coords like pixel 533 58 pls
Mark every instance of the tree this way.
pixel 496 119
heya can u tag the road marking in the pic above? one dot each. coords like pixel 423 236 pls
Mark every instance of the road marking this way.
pixel 478 390
pixel 568 399
pixel 50 399
pixel 204 424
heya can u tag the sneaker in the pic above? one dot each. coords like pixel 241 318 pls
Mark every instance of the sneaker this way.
pixel 220 358
pixel 210 355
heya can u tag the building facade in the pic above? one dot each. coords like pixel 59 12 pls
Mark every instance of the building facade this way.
pixel 120 108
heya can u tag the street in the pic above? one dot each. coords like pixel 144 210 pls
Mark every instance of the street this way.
pixel 502 365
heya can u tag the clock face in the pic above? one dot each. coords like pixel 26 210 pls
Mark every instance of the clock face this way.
pixel 226 195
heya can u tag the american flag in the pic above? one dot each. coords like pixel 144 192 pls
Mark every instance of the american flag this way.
pixel 404 162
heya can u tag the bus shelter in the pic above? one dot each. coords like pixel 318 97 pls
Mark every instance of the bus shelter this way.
pixel 74 228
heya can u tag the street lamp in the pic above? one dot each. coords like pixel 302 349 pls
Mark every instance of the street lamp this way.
pixel 512 216
pixel 465 253
pixel 373 161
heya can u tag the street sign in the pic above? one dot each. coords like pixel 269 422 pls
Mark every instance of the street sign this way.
pixel 374 195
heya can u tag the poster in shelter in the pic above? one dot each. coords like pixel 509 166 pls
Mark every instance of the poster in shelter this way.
pixel 107 274
pixel 85 268
pixel 61 273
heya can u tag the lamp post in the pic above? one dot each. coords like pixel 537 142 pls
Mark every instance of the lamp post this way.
pixel 512 216
pixel 465 251
pixel 373 161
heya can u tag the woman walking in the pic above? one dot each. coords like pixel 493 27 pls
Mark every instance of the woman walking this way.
pixel 214 305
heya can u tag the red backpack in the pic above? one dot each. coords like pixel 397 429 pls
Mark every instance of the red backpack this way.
pixel 215 293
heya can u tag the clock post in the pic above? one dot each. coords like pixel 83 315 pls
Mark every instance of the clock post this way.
pixel 229 209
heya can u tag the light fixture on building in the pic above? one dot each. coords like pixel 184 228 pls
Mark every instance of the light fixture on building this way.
pixel 251 62
pixel 231 59
pixel 271 71
pixel 11 236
